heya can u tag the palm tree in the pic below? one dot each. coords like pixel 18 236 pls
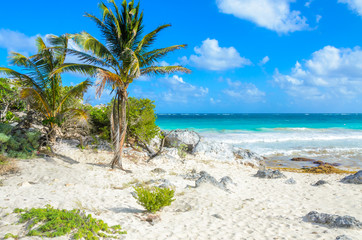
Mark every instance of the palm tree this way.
pixel 42 89
pixel 125 56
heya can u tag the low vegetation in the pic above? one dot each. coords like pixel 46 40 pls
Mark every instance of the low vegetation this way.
pixel 7 166
pixel 50 222
pixel 155 198
pixel 18 143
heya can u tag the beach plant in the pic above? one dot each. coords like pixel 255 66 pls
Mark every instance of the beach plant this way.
pixel 125 56
pixel 43 89
pixel 182 150
pixel 18 143
pixel 154 198
pixel 51 222
pixel 9 100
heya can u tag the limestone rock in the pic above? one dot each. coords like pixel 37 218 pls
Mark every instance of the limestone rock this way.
pixel 269 173
pixel 333 220
pixel 355 178
pixel 179 137
pixel 290 181
pixel 320 182
pixel 343 237
pixel 207 178
pixel 158 171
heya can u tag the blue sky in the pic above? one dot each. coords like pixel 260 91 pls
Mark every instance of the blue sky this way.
pixel 245 55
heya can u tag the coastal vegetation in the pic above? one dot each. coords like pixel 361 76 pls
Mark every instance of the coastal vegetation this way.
pixel 42 89
pixel 155 198
pixel 51 222
pixel 37 88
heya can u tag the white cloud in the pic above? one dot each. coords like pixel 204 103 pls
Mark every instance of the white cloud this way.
pixel 211 56
pixel 330 73
pixel 172 89
pixel 318 18
pixel 215 101
pixel 355 5
pixel 308 3
pixel 16 41
pixel 271 14
pixel 264 61
pixel 247 92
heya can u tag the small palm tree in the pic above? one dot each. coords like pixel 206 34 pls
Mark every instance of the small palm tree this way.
pixel 125 56
pixel 42 89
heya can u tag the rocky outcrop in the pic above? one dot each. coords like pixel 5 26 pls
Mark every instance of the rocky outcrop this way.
pixel 224 152
pixel 343 237
pixel 333 220
pixel 269 173
pixel 176 138
pixel 319 183
pixel 290 181
pixel 355 178
pixel 207 178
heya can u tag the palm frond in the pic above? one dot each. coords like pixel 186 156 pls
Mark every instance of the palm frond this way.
pixel 164 70
pixel 149 38
pixel 22 78
pixel 153 56
pixel 85 69
pixel 38 100
pixel 74 93
pixel 108 78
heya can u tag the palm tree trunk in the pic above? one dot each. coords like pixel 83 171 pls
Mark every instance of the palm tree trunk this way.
pixel 119 118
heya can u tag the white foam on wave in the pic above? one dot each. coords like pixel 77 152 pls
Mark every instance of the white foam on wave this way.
pixel 342 145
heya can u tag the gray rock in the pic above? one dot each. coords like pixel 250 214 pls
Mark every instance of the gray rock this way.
pixel 290 181
pixel 333 220
pixel 207 178
pixel 179 137
pixel 320 182
pixel 165 183
pixel 343 237
pixel 269 173
pixel 217 216
pixel 247 157
pixel 223 152
pixel 158 171
pixel 355 178
pixel 193 175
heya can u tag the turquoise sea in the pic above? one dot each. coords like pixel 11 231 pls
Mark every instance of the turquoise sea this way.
pixel 330 137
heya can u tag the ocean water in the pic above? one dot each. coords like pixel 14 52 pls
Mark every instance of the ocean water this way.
pixel 335 138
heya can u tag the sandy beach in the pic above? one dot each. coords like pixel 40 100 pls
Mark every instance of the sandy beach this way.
pixel 253 209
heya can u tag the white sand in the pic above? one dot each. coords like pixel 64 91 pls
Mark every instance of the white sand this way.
pixel 256 208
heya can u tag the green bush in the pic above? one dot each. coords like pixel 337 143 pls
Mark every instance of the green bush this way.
pixel 153 199
pixel 19 144
pixel 50 222
pixel 141 119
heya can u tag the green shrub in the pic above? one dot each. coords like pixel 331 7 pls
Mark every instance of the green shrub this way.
pixel 141 119
pixel 19 144
pixel 153 199
pixel 50 222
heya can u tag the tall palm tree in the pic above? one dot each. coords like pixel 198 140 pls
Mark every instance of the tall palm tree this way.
pixel 125 56
pixel 42 89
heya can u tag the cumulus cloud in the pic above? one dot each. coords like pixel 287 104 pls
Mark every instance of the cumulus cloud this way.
pixel 17 41
pixel 271 14
pixel 330 73
pixel 264 61
pixel 172 89
pixel 247 92
pixel 355 5
pixel 211 56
